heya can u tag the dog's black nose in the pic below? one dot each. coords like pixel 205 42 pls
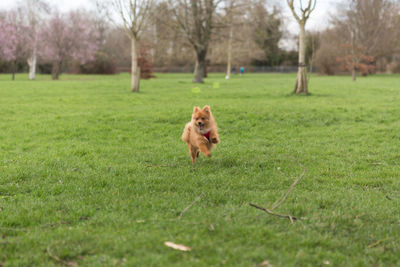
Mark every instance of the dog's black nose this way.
pixel 200 123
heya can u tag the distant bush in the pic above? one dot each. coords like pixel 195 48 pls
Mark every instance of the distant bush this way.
pixel 45 68
pixel 5 67
pixel 326 59
pixel 394 67
pixel 283 57
pixel 146 67
pixel 102 64
pixel 8 67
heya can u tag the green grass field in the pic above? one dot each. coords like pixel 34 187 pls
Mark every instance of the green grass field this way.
pixel 94 175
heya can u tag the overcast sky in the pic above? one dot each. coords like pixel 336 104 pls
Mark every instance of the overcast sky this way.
pixel 60 4
pixel 318 20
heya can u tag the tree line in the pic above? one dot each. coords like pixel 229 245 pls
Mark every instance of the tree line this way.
pixel 362 37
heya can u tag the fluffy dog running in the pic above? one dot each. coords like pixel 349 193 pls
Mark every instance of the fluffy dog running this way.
pixel 201 133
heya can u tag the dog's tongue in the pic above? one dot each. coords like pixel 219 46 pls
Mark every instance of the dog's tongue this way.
pixel 201 127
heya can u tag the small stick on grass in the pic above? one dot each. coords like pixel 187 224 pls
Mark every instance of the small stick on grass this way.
pixel 377 242
pixel 14 229
pixel 283 199
pixel 54 257
pixel 290 217
pixel 280 201
pixel 191 204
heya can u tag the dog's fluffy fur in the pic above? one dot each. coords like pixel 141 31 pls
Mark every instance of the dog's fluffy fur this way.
pixel 201 133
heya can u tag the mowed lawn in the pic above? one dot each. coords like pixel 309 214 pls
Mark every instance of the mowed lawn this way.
pixel 94 175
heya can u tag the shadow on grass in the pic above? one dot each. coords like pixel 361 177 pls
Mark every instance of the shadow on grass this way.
pixel 308 95
pixel 213 163
pixel 218 162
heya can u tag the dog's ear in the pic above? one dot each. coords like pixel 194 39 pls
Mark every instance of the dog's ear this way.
pixel 207 109
pixel 196 109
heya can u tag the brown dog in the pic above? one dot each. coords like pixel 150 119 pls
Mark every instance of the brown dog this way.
pixel 201 133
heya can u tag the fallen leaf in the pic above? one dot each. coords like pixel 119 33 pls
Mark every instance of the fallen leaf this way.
pixel 177 246
pixel 211 227
pixel 264 264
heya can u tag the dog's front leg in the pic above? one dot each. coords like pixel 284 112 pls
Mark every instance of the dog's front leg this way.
pixel 193 152
pixel 203 147
pixel 214 137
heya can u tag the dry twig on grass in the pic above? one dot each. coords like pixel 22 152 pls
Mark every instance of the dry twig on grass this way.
pixel 280 201
pixel 290 217
pixel 14 229
pixel 283 199
pixel 54 257
pixel 377 242
pixel 190 205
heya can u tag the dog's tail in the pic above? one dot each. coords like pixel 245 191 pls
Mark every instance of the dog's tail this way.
pixel 186 133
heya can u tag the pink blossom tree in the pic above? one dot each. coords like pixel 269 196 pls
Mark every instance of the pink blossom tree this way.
pixel 68 37
pixel 12 39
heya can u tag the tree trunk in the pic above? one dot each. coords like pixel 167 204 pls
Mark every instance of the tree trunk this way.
pixel 135 70
pixel 33 59
pixel 354 56
pixel 137 85
pixel 200 66
pixel 228 65
pixel 56 70
pixel 14 70
pixel 301 86
pixel 32 66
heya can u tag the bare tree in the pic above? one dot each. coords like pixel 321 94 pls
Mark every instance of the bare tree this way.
pixel 195 20
pixel 234 9
pixel 34 11
pixel 301 86
pixel 230 16
pixel 367 29
pixel 134 15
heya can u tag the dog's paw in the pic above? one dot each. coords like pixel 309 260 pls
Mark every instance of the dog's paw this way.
pixel 215 140
pixel 208 155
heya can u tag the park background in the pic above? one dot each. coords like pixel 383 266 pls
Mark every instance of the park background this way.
pixel 92 168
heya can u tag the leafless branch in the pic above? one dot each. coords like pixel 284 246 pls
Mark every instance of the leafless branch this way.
pixel 291 6
pixel 134 14
pixel 305 12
